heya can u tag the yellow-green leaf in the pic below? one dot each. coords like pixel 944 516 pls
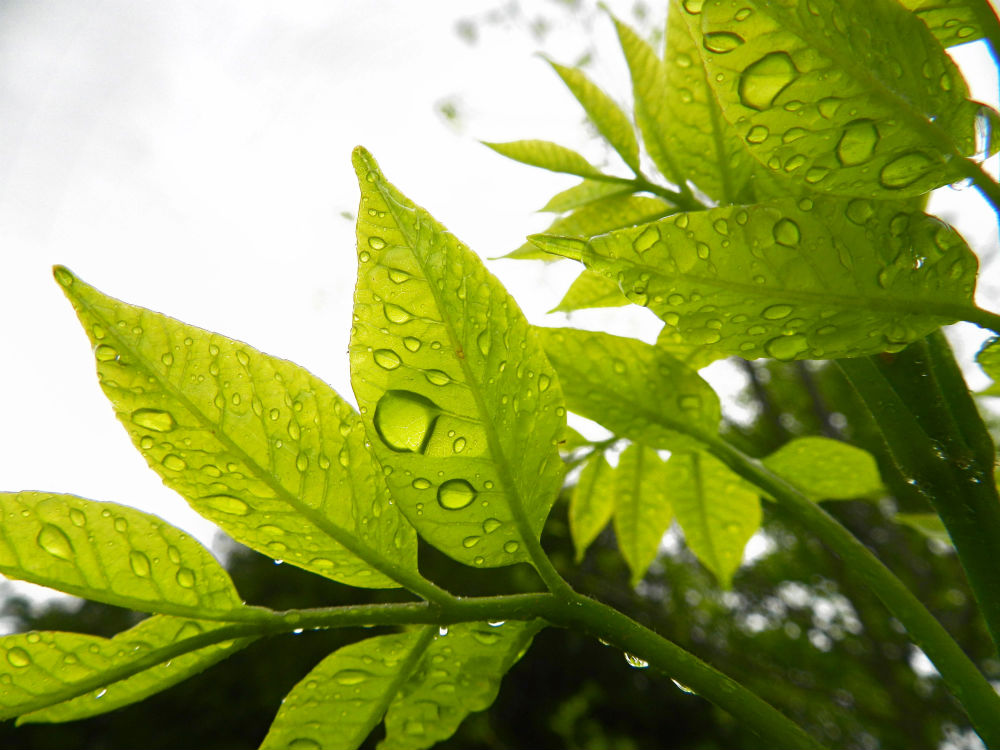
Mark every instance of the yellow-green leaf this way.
pixel 546 155
pixel 591 503
pixel 642 507
pixel 591 290
pixel 950 21
pixel 255 443
pixel 717 511
pixel 989 359
pixel 789 279
pixel 826 469
pixel 110 553
pixel 462 408
pixel 583 193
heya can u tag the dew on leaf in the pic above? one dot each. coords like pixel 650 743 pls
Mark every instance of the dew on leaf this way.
pixel 437 377
pixel 121 525
pixel 828 107
pixel 757 134
pixel 646 240
pixel 459 445
pixel 786 347
pixel 859 211
pixel 139 564
pixel 351 676
pixel 456 494
pixel 683 688
pixel 693 6
pixel 485 637
pixel 185 578
pixel 471 541
pixel 816 174
pixel 857 143
pixel 397 276
pixel 18 657
pixel 634 661
pixel 412 344
pixel 905 170
pixel 304 743
pixel 421 484
pixel 77 517
pixel 722 42
pixel 776 312
pixel 483 342
pixel 55 542
pixel 396 314
pixel 154 419
pixel 764 79
pixel 405 421
pixel 226 504
pixel 511 547
pixel 490 525
pixel 387 359
pixel 786 232
pixel 105 353
pixel 376 243
pixel 173 462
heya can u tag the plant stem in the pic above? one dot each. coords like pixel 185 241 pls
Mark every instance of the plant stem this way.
pixel 964 680
pixel 986 184
pixel 984 319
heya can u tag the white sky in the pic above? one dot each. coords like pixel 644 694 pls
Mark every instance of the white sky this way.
pixel 194 158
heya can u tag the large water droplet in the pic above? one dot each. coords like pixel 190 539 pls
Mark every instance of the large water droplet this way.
pixel 776 312
pixel 471 541
pixel 490 525
pixel 786 232
pixel 376 243
pixel 105 353
pixel 227 504
pixel 763 80
pixel 351 676
pixel 154 419
pixel 757 134
pixel 185 578
pixel 722 42
pixel 437 377
pixel 412 344
pixel 139 563
pixel 55 542
pixel 456 494
pixel 860 211
pixel 405 421
pixel 857 143
pixel 634 661
pixel 18 657
pixel 786 347
pixel 396 314
pixel 77 517
pixel 387 359
pixel 904 170
pixel 173 462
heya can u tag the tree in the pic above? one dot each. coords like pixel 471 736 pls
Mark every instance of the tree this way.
pixel 794 147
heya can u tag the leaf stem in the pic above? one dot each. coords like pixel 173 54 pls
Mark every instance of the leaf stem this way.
pixel 964 680
pixel 984 319
pixel 989 187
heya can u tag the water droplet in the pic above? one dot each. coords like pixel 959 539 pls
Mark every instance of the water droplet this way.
pixel 693 6
pixel 154 419
pixel 18 657
pixel 511 547
pixel 405 421
pixel 397 276
pixel 786 347
pixel 443 630
pixel 55 542
pixel 490 525
pixel 683 688
pixel 173 462
pixel 786 232
pixel 226 504
pixel 421 484
pixel 757 134
pixel 351 676
pixel 121 525
pixel 436 377
pixel 304 743
pixel 139 563
pixel 471 541
pixel 776 312
pixel 105 353
pixel 185 578
pixel 689 402
pixel 485 637
pixel 302 462
pixel 63 276
pixel 364 256
pixel 173 554
pixel 905 170
pixel 634 661
pixel 396 314
pixel 77 517
pixel 763 80
pixel 859 211
pixel 496 623
pixel 376 243
pixel 456 494
pixel 816 174
pixel 412 344
pixel 459 445
pixel 722 42
pixel 483 342
pixel 857 143
pixel 387 359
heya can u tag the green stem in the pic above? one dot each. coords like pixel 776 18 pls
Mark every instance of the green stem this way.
pixel 986 184
pixel 984 319
pixel 963 679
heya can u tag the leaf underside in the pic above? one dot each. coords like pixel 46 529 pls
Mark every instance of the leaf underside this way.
pixel 643 510
pixel 826 469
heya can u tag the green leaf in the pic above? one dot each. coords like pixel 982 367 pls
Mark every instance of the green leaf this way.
pixel 462 408
pixel 546 155
pixel 39 669
pixel 591 503
pixel 427 682
pixel 852 97
pixel 707 149
pixel 692 355
pixel 649 86
pixel 598 217
pixel 822 278
pixel 717 510
pixel 642 507
pixel 989 359
pixel 609 120
pixel 255 443
pixel 571 440
pixel 927 524
pixel 634 389
pixel 583 193
pixel 950 21
pixel 157 633
pixel 112 554
pixel 826 469
pixel 591 290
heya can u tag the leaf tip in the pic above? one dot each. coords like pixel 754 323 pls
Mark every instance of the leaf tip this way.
pixel 566 247
pixel 364 164
pixel 63 276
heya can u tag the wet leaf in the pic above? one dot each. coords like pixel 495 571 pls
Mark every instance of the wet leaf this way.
pixel 852 97
pixel 462 408
pixel 789 279
pixel 717 510
pixel 826 469
pixel 591 504
pixel 255 443
pixel 112 554
pixel 632 388
pixel 643 510
pixel 591 290
pixel 950 21
pixel 546 155
pixel 928 525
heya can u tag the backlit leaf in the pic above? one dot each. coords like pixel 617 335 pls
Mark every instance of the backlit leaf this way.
pixel 609 120
pixel 43 668
pixel 255 443
pixel 110 553
pixel 708 151
pixel 591 290
pixel 950 21
pixel 546 155
pixel 642 507
pixel 634 389
pixel 462 408
pixel 825 468
pixel 788 279
pixel 583 193
pixel 929 525
pixel 599 217
pixel 154 633
pixel 717 510
pixel 591 504
pixel 852 97
pixel 989 359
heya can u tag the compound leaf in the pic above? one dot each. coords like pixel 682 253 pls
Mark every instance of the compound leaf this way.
pixel 642 507
pixel 607 117
pixel 590 290
pixel 158 634
pixel 591 503
pixel 634 389
pixel 462 408
pixel 546 155
pixel 823 278
pixel 717 510
pixel 852 97
pixel 826 469
pixel 110 553
pixel 255 443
